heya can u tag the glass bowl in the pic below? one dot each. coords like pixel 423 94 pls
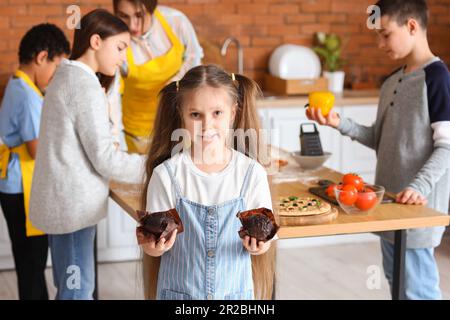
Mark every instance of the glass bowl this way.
pixel 365 202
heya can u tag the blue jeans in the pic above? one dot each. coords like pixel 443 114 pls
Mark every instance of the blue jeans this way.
pixel 73 264
pixel 421 272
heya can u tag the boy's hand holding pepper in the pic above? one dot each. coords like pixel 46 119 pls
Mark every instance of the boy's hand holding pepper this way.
pixel 331 120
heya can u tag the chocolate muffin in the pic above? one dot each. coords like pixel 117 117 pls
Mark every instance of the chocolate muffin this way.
pixel 258 223
pixel 159 224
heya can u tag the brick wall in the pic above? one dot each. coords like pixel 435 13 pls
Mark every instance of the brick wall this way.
pixel 260 25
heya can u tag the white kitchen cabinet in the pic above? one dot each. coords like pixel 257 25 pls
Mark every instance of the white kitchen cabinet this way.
pixel 116 238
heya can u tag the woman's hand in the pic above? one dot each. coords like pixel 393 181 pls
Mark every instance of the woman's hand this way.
pixel 411 196
pixel 157 248
pixel 254 247
pixel 331 120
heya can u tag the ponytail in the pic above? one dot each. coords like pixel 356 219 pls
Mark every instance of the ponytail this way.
pixel 247 93
pixel 263 266
pixel 247 117
pixel 168 119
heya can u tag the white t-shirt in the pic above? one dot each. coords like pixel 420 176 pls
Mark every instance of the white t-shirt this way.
pixel 208 188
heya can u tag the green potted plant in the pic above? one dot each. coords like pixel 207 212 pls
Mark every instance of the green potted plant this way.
pixel 328 47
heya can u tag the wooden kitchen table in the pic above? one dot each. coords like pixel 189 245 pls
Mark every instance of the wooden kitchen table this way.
pixel 386 217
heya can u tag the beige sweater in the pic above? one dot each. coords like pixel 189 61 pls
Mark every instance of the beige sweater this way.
pixel 76 157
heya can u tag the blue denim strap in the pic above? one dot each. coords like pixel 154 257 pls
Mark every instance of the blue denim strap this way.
pixel 247 178
pixel 173 179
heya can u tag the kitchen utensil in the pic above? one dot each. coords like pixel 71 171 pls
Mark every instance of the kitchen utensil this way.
pixel 310 140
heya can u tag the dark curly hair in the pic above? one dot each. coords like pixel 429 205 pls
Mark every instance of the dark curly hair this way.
pixel 43 37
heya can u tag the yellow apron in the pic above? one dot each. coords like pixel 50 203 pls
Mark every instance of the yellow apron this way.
pixel 142 86
pixel 26 164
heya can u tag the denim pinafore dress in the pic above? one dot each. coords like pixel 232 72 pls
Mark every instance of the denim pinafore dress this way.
pixel 208 260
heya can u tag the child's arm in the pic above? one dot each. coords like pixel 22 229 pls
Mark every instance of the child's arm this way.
pixel 438 163
pixel 432 171
pixel 160 193
pixel 258 196
pixel 347 127
pixel 29 119
pixel 32 148
pixel 92 125
pixel 438 96
pixel 160 197
pixel 258 192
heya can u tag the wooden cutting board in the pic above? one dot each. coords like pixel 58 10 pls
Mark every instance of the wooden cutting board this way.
pixel 309 220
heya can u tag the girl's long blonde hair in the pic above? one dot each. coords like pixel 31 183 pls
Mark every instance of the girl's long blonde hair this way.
pixel 169 118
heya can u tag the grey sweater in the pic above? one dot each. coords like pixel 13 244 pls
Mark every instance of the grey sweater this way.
pixel 76 157
pixel 411 136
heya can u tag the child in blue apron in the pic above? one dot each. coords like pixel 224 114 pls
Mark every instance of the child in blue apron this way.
pixel 41 50
pixel 209 181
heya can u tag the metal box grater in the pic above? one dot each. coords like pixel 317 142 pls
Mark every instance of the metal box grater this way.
pixel 310 140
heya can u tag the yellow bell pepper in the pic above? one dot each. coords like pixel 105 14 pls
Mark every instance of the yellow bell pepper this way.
pixel 322 100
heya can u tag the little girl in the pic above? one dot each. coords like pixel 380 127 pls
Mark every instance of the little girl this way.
pixel 77 156
pixel 208 183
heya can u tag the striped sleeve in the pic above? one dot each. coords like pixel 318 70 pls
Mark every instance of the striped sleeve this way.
pixel 438 95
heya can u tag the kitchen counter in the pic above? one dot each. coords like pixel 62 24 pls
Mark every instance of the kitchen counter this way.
pixel 347 98
pixel 386 217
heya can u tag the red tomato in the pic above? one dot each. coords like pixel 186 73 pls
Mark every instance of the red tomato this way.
pixel 366 200
pixel 348 194
pixel 330 190
pixel 354 179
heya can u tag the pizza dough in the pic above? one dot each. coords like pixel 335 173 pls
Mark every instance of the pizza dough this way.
pixel 302 206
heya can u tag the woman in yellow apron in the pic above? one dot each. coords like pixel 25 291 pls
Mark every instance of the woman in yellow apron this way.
pixel 164 47
pixel 19 128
